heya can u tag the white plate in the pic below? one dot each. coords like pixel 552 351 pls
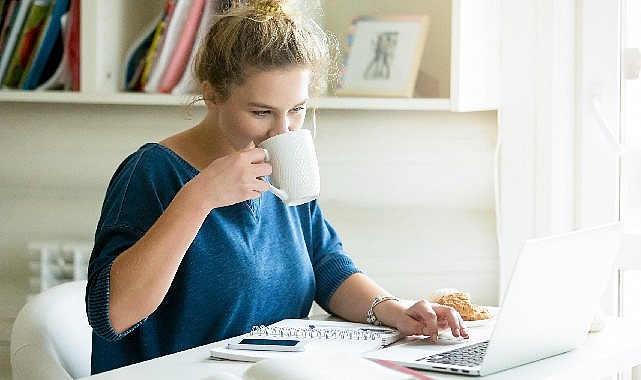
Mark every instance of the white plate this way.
pixel 481 322
pixel 493 310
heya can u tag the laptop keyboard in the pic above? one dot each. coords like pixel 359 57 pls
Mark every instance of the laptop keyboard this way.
pixel 468 356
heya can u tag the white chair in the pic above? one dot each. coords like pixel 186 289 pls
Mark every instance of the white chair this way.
pixel 51 337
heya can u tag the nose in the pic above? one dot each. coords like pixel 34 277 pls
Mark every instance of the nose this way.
pixel 280 125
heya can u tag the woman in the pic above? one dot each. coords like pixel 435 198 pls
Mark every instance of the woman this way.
pixel 191 248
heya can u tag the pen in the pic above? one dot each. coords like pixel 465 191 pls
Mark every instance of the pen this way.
pixel 400 368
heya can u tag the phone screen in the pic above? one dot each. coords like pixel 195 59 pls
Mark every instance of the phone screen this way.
pixel 270 342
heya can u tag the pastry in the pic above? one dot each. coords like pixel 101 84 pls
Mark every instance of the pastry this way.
pixel 460 301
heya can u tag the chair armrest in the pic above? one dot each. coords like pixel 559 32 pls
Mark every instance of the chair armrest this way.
pixel 47 367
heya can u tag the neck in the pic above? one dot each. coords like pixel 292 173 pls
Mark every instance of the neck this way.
pixel 200 145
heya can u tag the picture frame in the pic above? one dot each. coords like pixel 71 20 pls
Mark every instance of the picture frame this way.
pixel 383 55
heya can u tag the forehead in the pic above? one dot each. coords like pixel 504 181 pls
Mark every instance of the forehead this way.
pixel 292 84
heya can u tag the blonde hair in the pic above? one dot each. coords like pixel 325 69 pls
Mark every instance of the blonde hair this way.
pixel 262 35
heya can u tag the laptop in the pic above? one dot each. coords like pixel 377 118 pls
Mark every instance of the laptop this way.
pixel 548 307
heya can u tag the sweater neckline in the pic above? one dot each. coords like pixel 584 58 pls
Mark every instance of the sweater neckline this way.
pixel 252 204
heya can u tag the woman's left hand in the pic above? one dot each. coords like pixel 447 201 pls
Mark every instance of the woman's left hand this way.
pixel 424 318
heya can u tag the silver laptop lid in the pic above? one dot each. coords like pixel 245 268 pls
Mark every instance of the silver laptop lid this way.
pixel 554 290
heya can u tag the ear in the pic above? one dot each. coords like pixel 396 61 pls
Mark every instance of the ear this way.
pixel 209 94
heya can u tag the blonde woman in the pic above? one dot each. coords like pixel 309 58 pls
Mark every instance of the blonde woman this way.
pixel 191 248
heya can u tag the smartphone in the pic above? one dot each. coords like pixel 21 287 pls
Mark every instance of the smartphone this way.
pixel 264 344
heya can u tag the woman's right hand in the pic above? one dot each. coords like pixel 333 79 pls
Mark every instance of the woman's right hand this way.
pixel 234 178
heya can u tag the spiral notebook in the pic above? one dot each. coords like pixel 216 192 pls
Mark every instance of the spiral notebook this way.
pixel 323 336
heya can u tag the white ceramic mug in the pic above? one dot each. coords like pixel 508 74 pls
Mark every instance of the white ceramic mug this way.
pixel 295 177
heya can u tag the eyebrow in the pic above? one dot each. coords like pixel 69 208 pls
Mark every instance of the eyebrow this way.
pixel 261 105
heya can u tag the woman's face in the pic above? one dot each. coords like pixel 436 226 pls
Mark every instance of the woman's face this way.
pixel 267 104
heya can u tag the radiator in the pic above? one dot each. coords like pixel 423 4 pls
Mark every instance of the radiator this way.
pixel 53 263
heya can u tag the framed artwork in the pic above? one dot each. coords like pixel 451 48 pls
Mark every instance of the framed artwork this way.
pixel 383 55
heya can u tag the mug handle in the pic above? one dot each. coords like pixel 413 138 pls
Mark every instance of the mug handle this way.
pixel 278 192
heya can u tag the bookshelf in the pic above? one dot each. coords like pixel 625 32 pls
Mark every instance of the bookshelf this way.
pixel 459 70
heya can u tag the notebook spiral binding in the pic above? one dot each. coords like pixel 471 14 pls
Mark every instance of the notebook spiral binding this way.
pixel 315 333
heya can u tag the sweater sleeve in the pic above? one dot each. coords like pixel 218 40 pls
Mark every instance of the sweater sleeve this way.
pixel 132 204
pixel 331 263
pixel 98 307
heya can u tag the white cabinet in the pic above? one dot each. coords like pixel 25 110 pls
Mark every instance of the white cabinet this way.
pixel 459 70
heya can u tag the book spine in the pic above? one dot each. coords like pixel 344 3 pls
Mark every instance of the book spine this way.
pixel 136 55
pixel 184 45
pixel 7 20
pixel 48 40
pixel 12 39
pixel 156 44
pixel 3 4
pixel 29 37
pixel 187 83
pixel 168 44
pixel 72 47
pixel 36 48
pixel 150 54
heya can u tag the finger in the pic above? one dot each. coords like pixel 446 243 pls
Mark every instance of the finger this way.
pixel 462 328
pixel 432 331
pixel 256 155
pixel 260 170
pixel 449 318
pixel 262 185
pixel 430 326
pixel 457 325
pixel 424 318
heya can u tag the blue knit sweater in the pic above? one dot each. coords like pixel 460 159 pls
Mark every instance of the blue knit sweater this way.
pixel 252 263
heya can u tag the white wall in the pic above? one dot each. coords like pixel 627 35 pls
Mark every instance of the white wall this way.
pixel 412 194
pixel 410 191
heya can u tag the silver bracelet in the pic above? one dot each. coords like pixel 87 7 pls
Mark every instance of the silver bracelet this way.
pixel 371 318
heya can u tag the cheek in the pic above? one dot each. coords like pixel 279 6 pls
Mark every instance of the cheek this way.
pixel 248 128
pixel 234 123
pixel 296 121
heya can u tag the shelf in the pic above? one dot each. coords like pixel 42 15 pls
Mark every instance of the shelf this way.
pixel 459 70
pixel 63 97
pixel 385 104
pixel 138 99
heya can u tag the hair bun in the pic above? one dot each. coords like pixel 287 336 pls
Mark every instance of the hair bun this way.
pixel 268 6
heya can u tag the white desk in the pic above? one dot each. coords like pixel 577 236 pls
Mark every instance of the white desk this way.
pixel 614 349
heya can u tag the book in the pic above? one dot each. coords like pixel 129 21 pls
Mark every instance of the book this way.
pixel 324 336
pixel 168 45
pixel 8 14
pixel 184 46
pixel 62 71
pixel 136 57
pixel 48 47
pixel 17 21
pixel 187 83
pixel 72 46
pixel 3 4
pixel 156 43
pixel 29 37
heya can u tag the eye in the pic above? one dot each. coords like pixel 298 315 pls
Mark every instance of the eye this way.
pixel 298 109
pixel 262 113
